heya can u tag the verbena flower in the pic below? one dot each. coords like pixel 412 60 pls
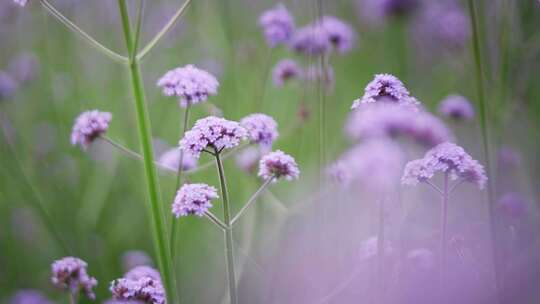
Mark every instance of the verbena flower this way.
pixel 394 120
pixel 24 68
pixel 21 2
pixel 277 24
pixel 212 132
pixel 145 289
pixel 448 158
pixel 88 126
pixel 8 86
pixel 261 128
pixel 376 12
pixel 285 70
pixel 311 40
pixel 387 88
pixel 190 84
pixel 456 107
pixel 29 296
pixel 193 199
pixel 70 274
pixel 278 165
pixel 171 159
pixel 341 35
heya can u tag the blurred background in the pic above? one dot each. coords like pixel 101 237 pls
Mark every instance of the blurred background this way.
pixel 301 243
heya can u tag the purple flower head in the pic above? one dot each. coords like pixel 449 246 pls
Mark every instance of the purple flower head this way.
pixel 277 24
pixel 21 2
pixel 341 35
pixel 88 126
pixel 212 132
pixel 190 84
pixel 171 159
pixel 29 296
pixel 448 158
pixel 456 107
pixel 394 120
pixel 193 199
pixel 145 289
pixel 277 165
pixel 513 205
pixel 387 88
pixel 134 258
pixel 70 274
pixel 8 86
pixel 24 68
pixel 261 128
pixel 311 40
pixel 376 12
pixel 142 271
pixel 285 70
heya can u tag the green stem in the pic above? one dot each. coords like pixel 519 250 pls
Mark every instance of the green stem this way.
pixel 144 129
pixel 485 140
pixel 229 245
pixel 251 200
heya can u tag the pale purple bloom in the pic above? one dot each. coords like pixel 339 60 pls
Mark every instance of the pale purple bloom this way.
pixel 277 24
pixel 277 165
pixel 134 258
pixel 387 88
pixel 24 68
pixel 392 120
pixel 456 107
pixel 193 199
pixel 248 158
pixel 70 274
pixel 376 12
pixel 29 296
pixel 88 126
pixel 142 271
pixel 512 205
pixel 8 86
pixel 171 159
pixel 212 132
pixel 261 129
pixel 311 40
pixel 21 2
pixel 145 289
pixel 448 158
pixel 285 70
pixel 190 84
pixel 341 35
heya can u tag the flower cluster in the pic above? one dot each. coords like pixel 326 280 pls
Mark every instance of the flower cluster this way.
pixel 285 70
pixel 193 199
pixel 190 84
pixel 278 165
pixel 88 126
pixel 448 158
pixel 385 87
pixel 143 286
pixel 456 107
pixel 214 132
pixel 311 40
pixel 341 35
pixel 70 274
pixel 29 296
pixel 375 12
pixel 277 24
pixel 261 128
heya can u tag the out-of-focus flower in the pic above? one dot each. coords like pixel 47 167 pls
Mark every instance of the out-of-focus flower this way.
pixel 261 129
pixel 285 70
pixel 214 132
pixel 142 271
pixel 311 40
pixel 509 157
pixel 8 86
pixel 21 2
pixel 278 165
pixel 376 12
pixel 341 35
pixel 248 158
pixel 513 205
pixel 387 88
pixel 448 158
pixel 171 159
pixel 24 68
pixel 190 84
pixel 145 289
pixel 456 107
pixel 193 199
pixel 88 126
pixel 134 258
pixel 393 120
pixel 29 296
pixel 277 24
pixel 70 274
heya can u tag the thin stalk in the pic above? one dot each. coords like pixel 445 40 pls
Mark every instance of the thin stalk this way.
pixel 163 31
pixel 443 231
pixel 86 37
pixel 485 140
pixel 380 252
pixel 216 220
pixel 144 128
pixel 251 200
pixel 229 244
pixel 72 298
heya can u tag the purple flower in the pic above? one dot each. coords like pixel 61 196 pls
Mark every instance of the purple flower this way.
pixel 145 289
pixel 277 165
pixel 341 35
pixel 277 24
pixel 375 12
pixel 193 199
pixel 8 86
pixel 448 158
pixel 212 132
pixel 24 67
pixel 142 271
pixel 171 159
pixel 21 2
pixel 261 128
pixel 190 84
pixel 387 88
pixel 88 126
pixel 456 107
pixel 285 70
pixel 311 40
pixel 29 296
pixel 70 274
pixel 392 120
